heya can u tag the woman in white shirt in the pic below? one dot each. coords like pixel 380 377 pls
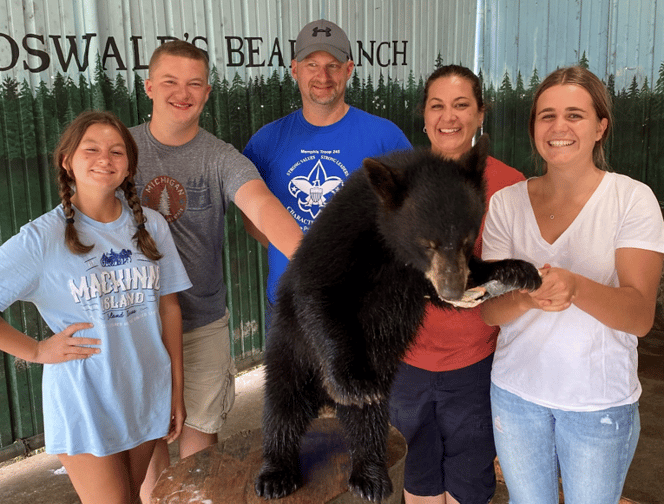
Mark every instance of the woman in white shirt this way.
pixel 564 377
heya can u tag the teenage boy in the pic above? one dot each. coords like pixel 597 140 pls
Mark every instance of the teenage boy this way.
pixel 190 176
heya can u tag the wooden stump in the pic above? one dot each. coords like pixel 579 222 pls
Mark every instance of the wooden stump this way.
pixel 225 473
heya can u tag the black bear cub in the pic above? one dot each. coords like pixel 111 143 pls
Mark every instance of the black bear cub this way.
pixel 399 234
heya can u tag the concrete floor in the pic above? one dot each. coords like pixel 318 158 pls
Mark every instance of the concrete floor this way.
pixel 40 479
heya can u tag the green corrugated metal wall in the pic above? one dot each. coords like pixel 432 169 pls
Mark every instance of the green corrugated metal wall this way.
pixel 25 193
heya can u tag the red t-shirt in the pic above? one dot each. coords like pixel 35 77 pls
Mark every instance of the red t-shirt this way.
pixel 451 339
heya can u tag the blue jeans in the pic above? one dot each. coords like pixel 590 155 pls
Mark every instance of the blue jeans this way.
pixel 593 450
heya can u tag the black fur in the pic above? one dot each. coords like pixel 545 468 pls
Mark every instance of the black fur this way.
pixel 354 296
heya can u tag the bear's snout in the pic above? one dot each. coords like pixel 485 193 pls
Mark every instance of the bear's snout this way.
pixel 448 275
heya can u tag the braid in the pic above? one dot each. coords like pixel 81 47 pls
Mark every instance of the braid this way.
pixel 142 236
pixel 71 235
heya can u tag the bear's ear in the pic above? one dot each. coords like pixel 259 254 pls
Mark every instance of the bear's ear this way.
pixel 386 182
pixel 474 161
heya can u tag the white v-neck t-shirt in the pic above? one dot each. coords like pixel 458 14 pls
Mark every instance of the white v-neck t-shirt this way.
pixel 569 360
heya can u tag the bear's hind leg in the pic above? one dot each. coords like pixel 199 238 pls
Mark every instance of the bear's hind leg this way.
pixel 366 429
pixel 290 405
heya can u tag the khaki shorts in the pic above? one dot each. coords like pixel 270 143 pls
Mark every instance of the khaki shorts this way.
pixel 209 376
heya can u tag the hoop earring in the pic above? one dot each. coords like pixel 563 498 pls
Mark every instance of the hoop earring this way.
pixel 424 129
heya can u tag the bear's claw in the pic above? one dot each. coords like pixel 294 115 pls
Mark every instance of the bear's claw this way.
pixel 275 484
pixel 371 483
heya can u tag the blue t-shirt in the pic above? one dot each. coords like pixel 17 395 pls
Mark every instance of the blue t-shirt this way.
pixel 121 397
pixel 305 165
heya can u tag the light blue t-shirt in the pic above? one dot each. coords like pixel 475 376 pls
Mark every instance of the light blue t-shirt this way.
pixel 121 397
pixel 305 165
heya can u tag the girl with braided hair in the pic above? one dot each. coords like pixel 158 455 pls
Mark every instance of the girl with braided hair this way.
pixel 104 274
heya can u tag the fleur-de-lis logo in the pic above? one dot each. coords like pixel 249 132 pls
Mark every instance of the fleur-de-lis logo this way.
pixel 314 190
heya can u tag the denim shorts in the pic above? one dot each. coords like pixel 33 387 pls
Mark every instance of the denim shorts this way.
pixel 593 450
pixel 446 419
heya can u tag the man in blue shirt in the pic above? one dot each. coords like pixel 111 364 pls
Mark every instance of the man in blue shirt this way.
pixel 306 156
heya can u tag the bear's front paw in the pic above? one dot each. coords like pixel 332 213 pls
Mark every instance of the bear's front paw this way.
pixel 277 483
pixel 370 481
pixel 517 274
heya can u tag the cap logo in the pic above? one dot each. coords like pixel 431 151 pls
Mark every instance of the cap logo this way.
pixel 327 31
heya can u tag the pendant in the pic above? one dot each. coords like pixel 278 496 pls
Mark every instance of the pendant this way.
pixel 551 216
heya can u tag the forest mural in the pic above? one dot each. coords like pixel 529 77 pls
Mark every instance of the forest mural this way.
pixel 635 148
pixel 31 120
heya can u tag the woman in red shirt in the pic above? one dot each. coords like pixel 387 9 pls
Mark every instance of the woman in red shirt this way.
pixel 440 397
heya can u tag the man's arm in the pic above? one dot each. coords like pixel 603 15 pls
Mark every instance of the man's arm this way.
pixel 254 232
pixel 267 217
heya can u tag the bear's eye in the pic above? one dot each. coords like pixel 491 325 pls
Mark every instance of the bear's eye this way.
pixel 428 247
pixel 431 245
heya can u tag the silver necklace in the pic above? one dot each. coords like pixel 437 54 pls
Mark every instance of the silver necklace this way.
pixel 592 189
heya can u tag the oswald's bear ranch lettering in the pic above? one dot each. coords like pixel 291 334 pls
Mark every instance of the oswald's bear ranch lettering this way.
pixel 36 52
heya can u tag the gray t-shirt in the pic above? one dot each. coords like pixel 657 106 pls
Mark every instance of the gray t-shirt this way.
pixel 192 185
